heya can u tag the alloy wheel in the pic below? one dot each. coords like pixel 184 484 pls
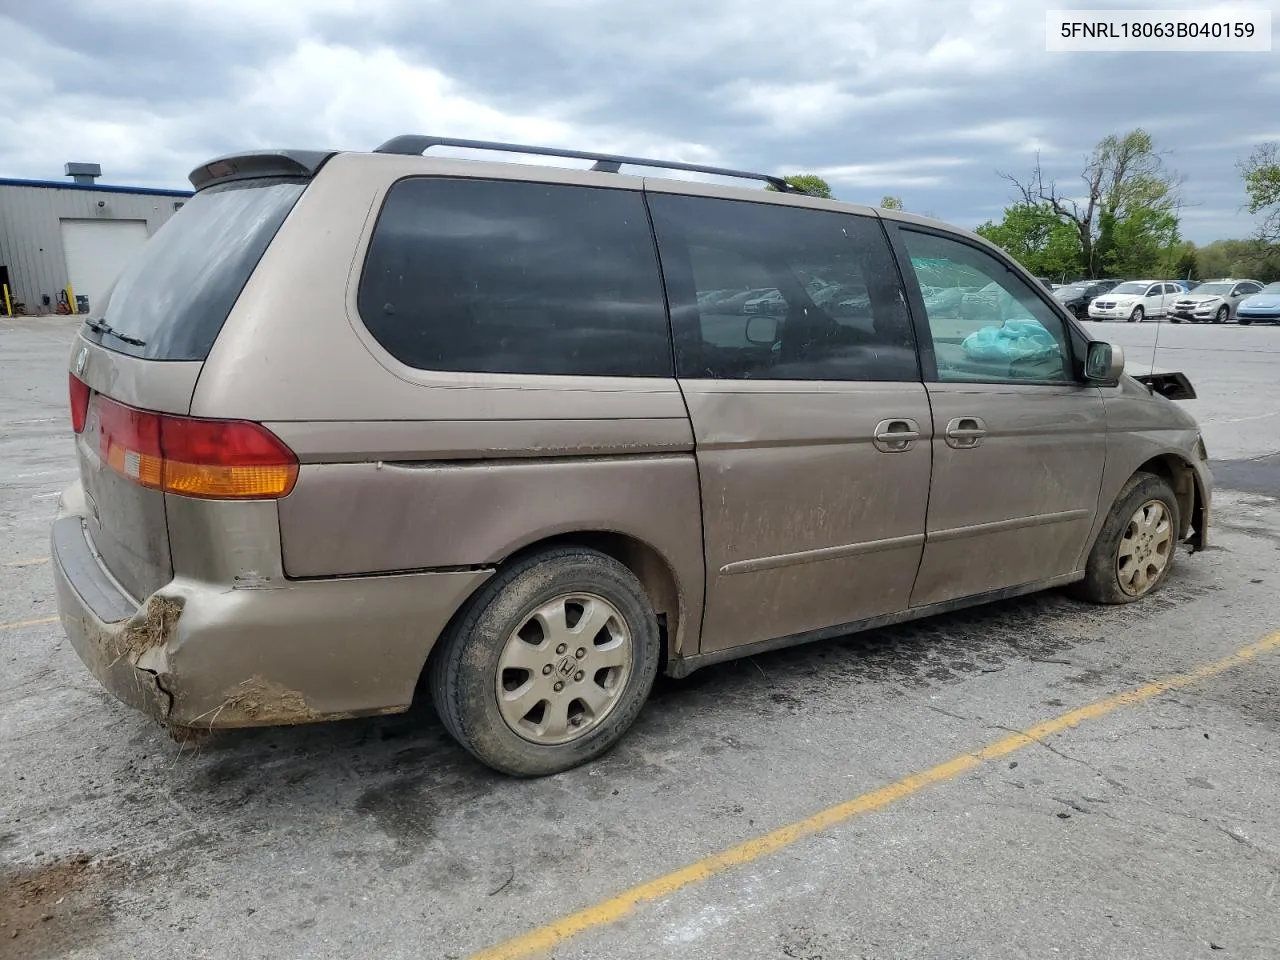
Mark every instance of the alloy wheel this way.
pixel 562 671
pixel 1145 548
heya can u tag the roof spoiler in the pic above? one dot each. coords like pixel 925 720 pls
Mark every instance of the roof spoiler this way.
pixel 414 144
pixel 249 166
pixel 1173 386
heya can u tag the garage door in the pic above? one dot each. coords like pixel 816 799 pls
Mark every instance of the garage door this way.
pixel 97 250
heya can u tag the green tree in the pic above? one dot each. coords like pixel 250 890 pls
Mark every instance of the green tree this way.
pixel 888 202
pixel 1126 190
pixel 810 183
pixel 1186 262
pixel 1037 238
pixel 1261 172
pixel 1144 243
pixel 1254 258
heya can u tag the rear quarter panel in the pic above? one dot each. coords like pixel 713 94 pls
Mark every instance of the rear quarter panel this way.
pixel 406 469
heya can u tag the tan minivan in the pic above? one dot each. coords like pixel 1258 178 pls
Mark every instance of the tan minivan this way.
pixel 528 435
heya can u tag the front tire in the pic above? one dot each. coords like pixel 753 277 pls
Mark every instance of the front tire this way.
pixel 550 663
pixel 1137 316
pixel 1223 313
pixel 1243 321
pixel 1135 548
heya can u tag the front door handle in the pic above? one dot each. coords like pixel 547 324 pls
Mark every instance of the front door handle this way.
pixel 896 436
pixel 965 433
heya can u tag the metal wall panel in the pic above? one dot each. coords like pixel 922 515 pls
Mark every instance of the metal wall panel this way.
pixel 31 236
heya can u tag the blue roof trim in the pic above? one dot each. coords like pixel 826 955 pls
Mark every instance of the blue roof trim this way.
pixel 93 187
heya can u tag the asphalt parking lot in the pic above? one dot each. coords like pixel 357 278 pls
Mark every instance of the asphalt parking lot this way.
pixel 1002 783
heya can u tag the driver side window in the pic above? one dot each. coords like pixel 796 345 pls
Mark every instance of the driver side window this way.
pixel 988 324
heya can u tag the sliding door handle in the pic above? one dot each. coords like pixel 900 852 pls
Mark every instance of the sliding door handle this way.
pixel 896 436
pixel 965 433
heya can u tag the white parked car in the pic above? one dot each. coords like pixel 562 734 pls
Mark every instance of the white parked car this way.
pixel 1214 301
pixel 1135 300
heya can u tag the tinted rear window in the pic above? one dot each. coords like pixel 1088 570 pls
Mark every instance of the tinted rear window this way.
pixel 489 276
pixel 176 295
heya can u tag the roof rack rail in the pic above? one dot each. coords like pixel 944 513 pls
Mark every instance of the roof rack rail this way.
pixel 414 144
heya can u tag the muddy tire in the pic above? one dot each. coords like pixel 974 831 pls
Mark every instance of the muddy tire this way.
pixel 1135 548
pixel 550 663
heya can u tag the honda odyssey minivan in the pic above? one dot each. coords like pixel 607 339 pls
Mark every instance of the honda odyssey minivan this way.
pixel 352 423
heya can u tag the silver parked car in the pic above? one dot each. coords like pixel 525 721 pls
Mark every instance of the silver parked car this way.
pixel 1214 301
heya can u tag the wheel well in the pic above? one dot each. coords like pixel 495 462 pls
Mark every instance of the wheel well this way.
pixel 1182 478
pixel 641 559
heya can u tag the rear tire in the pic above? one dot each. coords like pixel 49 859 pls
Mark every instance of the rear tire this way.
pixel 1137 316
pixel 1135 548
pixel 516 676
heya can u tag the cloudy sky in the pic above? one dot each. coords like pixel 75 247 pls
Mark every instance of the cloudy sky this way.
pixel 925 99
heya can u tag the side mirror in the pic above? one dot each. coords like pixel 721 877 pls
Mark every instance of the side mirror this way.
pixel 762 330
pixel 1104 363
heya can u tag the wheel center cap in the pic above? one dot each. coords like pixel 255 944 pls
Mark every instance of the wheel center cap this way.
pixel 566 666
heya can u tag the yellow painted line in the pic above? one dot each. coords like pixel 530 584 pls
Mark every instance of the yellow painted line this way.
pixel 19 624
pixel 615 908
pixel 29 562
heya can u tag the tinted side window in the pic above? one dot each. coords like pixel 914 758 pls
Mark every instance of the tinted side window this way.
pixel 489 276
pixel 1247 288
pixel 988 324
pixel 759 291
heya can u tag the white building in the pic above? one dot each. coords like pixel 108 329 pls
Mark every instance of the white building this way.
pixel 75 233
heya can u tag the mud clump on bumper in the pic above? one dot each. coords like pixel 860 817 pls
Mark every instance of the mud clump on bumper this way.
pixel 150 632
pixel 259 702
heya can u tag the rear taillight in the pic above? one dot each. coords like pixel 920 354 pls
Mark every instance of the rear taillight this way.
pixel 79 401
pixel 212 459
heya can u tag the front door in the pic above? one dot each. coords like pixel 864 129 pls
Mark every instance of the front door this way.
pixel 1019 443
pixel 796 356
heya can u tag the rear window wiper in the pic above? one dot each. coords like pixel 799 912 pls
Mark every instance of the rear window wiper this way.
pixel 101 326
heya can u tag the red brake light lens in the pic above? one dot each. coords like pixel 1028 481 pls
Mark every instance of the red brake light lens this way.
pixel 212 459
pixel 79 401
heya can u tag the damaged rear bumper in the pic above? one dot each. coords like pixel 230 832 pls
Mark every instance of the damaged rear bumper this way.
pixel 214 655
pixel 104 625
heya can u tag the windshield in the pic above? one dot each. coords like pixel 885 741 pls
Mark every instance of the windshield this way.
pixel 1271 288
pixel 172 299
pixel 1215 289
pixel 1137 289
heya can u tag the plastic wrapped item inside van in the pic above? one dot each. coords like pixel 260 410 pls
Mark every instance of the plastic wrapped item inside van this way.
pixel 1012 340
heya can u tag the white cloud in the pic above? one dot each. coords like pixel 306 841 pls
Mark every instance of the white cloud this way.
pixel 908 172
pixel 810 106
pixel 316 94
pixel 889 95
